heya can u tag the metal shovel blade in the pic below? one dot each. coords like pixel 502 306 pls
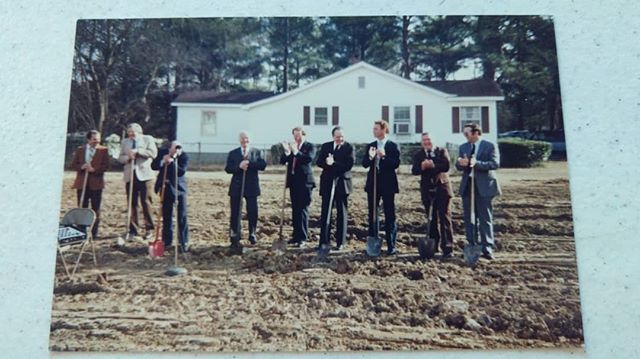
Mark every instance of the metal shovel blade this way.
pixel 374 246
pixel 156 249
pixel 279 245
pixel 323 252
pixel 471 254
pixel 175 271
pixel 426 247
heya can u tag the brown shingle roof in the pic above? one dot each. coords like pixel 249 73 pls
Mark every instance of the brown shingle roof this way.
pixel 466 88
pixel 223 97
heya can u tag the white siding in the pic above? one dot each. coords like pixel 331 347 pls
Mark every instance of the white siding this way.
pixel 272 121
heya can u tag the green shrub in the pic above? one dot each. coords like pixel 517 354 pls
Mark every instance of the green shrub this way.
pixel 515 152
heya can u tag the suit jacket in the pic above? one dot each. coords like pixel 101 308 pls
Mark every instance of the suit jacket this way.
pixel 182 162
pixel 487 162
pixel 100 163
pixel 387 178
pixel 340 170
pixel 303 173
pixel 251 181
pixel 147 151
pixel 433 178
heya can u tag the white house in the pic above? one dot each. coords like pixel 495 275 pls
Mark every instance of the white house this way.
pixel 353 98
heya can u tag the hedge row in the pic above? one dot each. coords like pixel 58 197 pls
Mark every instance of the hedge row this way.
pixel 519 153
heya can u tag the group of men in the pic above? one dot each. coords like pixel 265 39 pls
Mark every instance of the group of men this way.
pixel 140 156
pixel 478 159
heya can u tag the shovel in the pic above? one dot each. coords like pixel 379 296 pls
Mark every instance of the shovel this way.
pixel 175 270
pixel 427 244
pixel 374 243
pixel 323 250
pixel 280 245
pixel 472 250
pixel 235 237
pixel 120 241
pixel 156 248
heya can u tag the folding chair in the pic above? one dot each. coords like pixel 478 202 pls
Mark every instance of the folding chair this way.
pixel 75 229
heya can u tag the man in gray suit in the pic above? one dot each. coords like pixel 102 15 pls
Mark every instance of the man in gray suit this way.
pixel 479 158
pixel 142 149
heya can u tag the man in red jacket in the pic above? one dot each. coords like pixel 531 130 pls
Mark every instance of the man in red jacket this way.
pixel 92 159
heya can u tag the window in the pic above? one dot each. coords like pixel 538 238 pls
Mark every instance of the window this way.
pixel 469 114
pixel 401 119
pixel 208 124
pixel 361 82
pixel 321 116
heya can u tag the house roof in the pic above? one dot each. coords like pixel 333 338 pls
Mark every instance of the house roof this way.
pixel 466 88
pixel 243 97
pixel 460 88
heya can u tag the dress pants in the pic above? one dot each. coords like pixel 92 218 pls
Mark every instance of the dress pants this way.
pixel 300 201
pixel 388 200
pixel 141 190
pixel 95 197
pixel 252 214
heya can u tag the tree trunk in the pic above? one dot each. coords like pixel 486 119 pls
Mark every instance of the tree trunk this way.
pixel 285 71
pixel 406 64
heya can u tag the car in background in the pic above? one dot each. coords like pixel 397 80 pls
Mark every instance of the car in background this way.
pixel 523 134
pixel 555 137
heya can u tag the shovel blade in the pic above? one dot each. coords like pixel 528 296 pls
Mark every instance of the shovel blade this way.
pixel 279 245
pixel 374 246
pixel 156 249
pixel 426 247
pixel 323 252
pixel 471 254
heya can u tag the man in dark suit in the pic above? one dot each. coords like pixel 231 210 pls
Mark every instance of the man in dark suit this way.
pixel 432 164
pixel 298 157
pixel 336 160
pixel 479 158
pixel 249 160
pixel 387 154
pixel 91 159
pixel 169 158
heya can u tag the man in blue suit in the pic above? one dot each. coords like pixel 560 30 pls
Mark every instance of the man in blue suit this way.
pixel 244 159
pixel 169 158
pixel 299 156
pixel 479 158
pixel 387 154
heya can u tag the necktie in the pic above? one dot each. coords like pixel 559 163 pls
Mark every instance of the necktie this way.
pixel 244 153
pixel 473 149
pixel 133 144
pixel 293 163
pixel 429 154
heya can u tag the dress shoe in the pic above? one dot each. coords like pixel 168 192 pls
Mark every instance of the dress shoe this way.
pixel 339 247
pixel 391 251
pixel 447 255
pixel 184 249
pixel 487 255
pixel 252 239
pixel 292 242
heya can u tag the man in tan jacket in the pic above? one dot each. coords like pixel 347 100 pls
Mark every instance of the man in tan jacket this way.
pixel 142 150
pixel 91 159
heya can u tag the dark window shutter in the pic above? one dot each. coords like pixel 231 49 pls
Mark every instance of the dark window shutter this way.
pixel 385 113
pixel 485 119
pixel 419 119
pixel 335 115
pixel 455 119
pixel 306 114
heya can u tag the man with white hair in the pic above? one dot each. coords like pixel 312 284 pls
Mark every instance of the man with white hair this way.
pixel 171 158
pixel 244 161
pixel 140 150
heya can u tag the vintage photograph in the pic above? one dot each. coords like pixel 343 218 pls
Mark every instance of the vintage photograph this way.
pixel 315 184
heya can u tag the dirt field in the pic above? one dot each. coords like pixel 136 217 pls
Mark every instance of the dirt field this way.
pixel 527 297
